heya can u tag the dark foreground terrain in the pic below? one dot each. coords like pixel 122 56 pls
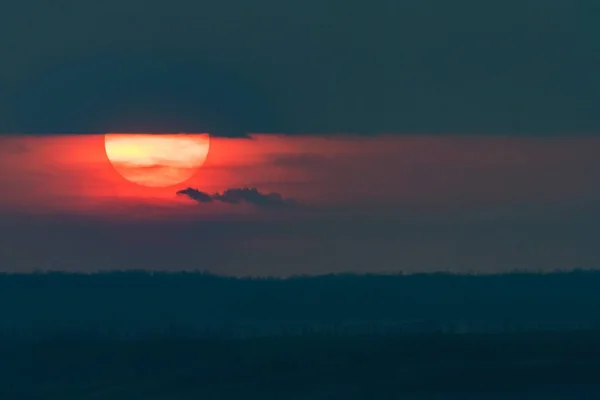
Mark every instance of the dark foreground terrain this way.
pixel 313 366
pixel 196 336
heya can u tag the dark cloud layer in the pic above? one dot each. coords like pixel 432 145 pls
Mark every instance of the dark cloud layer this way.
pixel 239 196
pixel 318 66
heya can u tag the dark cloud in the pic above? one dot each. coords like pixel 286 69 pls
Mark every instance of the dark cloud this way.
pixel 196 195
pixel 238 196
pixel 317 66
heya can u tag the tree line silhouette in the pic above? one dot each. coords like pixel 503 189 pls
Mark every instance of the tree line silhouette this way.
pixel 137 303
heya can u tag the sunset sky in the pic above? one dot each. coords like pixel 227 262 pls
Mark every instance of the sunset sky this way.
pixel 410 136
pixel 388 203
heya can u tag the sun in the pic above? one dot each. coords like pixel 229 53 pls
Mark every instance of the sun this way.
pixel 156 160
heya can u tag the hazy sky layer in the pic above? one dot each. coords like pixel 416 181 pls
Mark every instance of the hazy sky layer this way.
pixel 390 203
pixel 318 66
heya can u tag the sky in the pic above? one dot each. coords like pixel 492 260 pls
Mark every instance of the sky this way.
pixel 345 136
pixel 345 203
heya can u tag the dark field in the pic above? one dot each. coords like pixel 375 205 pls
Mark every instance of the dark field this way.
pixel 196 336
pixel 310 366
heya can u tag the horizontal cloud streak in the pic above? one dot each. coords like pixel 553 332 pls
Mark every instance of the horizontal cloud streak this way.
pixel 239 196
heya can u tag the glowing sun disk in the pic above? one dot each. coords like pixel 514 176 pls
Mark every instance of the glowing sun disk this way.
pixel 156 160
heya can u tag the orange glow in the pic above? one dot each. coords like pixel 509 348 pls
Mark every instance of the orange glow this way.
pixel 157 160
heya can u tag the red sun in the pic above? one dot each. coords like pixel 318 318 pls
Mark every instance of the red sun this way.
pixel 157 160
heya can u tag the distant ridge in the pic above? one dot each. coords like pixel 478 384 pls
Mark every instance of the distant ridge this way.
pixel 139 303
